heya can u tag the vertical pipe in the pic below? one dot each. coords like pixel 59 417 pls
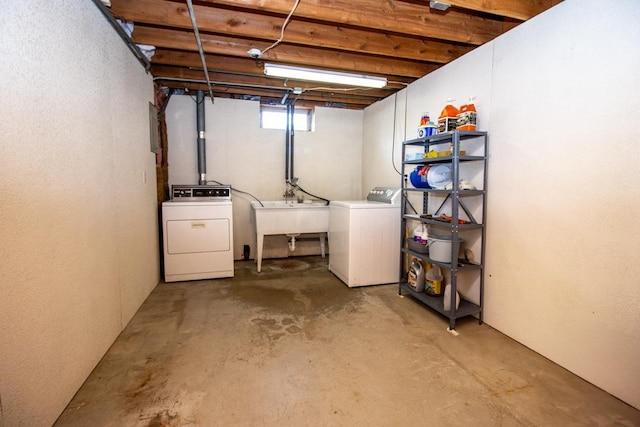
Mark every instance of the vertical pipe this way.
pixel 291 112
pixel 202 161
pixel 287 149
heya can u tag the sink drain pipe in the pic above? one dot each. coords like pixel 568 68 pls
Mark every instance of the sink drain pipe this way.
pixel 202 159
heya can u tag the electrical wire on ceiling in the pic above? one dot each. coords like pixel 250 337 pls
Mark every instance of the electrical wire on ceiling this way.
pixel 199 42
pixel 401 173
pixel 393 136
pixel 286 21
pixel 399 83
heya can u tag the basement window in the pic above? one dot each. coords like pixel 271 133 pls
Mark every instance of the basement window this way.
pixel 276 118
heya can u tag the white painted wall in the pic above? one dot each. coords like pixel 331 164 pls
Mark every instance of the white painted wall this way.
pixel 381 160
pixel 327 161
pixel 559 96
pixel 79 225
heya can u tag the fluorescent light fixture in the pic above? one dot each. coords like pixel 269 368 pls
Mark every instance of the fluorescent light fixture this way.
pixel 309 74
pixel 438 5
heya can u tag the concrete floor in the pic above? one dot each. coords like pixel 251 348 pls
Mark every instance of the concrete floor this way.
pixel 293 346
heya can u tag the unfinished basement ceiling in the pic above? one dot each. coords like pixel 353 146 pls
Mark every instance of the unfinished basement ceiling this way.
pixel 401 40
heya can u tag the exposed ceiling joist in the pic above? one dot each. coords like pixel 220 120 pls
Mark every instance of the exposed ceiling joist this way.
pixel 401 40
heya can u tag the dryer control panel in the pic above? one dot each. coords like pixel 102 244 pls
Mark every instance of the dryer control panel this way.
pixel 190 193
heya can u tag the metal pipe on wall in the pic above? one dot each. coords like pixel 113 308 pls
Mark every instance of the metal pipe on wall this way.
pixel 287 149
pixel 192 15
pixel 289 176
pixel 292 132
pixel 202 159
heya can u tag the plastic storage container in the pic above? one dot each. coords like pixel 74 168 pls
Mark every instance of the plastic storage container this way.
pixel 440 248
pixel 418 177
pixel 431 176
pixel 417 246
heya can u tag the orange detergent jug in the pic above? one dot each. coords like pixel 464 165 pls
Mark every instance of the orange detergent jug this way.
pixel 467 118
pixel 448 117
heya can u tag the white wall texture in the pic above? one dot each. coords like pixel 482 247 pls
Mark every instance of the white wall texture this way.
pixel 563 255
pixel 327 161
pixel 380 161
pixel 79 225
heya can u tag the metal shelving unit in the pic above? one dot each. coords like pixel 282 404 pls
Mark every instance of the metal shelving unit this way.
pixel 462 218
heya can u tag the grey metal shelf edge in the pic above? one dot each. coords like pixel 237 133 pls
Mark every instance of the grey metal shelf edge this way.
pixel 461 219
pixel 444 159
pixel 466 308
pixel 439 138
pixel 461 266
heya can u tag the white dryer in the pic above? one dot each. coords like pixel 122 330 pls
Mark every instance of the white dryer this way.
pixel 364 238
pixel 197 228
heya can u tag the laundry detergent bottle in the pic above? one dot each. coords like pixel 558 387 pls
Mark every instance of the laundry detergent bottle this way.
pixel 448 117
pixel 467 117
pixel 416 276
pixel 421 233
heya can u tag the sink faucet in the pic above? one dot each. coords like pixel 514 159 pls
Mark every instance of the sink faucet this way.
pixel 289 195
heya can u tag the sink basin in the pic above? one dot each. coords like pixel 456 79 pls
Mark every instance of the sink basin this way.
pixel 282 217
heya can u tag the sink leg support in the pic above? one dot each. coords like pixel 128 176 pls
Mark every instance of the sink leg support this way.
pixel 259 255
pixel 260 244
pixel 323 238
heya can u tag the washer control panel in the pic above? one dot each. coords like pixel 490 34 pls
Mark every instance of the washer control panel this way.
pixel 389 195
pixel 189 193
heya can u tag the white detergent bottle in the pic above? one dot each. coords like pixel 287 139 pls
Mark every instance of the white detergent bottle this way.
pixel 420 233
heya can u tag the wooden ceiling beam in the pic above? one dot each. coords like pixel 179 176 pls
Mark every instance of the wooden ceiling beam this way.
pixel 515 9
pixel 267 27
pixel 383 15
pixel 305 56
pixel 402 40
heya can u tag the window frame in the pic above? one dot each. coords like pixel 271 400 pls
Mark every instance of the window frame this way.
pixel 298 111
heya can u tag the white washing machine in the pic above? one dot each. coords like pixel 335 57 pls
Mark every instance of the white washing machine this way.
pixel 197 229
pixel 364 238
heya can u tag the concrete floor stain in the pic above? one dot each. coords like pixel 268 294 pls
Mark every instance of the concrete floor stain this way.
pixel 178 308
pixel 289 264
pixel 298 347
pixel 165 419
